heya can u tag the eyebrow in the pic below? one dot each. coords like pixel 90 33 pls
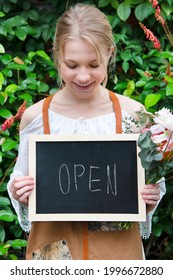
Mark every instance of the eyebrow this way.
pixel 70 60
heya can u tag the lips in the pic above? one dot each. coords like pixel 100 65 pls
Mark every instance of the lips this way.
pixel 83 86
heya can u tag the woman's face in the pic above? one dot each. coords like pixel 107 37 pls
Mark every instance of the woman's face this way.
pixel 81 69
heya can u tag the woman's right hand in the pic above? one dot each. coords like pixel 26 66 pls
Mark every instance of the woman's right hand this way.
pixel 21 188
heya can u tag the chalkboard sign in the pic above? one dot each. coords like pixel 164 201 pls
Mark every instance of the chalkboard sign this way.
pixel 86 178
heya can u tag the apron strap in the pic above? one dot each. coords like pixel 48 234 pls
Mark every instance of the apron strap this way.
pixel 45 114
pixel 117 110
pixel 85 240
pixel 46 129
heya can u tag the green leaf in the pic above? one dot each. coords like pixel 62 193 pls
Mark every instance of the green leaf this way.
pixel 3 187
pixel 2 233
pixel 169 89
pixel 6 58
pixel 158 157
pixel 143 136
pixel 114 3
pixel 43 87
pixel 141 73
pixel 157 229
pixel 4 201
pixel 103 3
pixel 120 86
pixel 167 7
pixel 21 33
pixel 13 1
pixel 165 54
pixel 16 66
pixel 150 157
pixel 3 97
pixel 3 249
pixel 5 113
pixel 151 84
pixel 26 97
pixel 151 100
pixel 43 54
pixel 9 145
pixel 123 11
pixel 168 78
pixel 2 50
pixel 11 88
pixel 133 2
pixel 126 55
pixel 170 164
pixel 1 80
pixel 125 66
pixel 34 15
pixel 7 216
pixel 26 5
pixel 15 21
pixel 143 10
pixel 3 31
pixel 2 14
pixel 46 34
pixel 16 230
pixel 31 55
pixel 13 257
pixel 130 88
pixel 138 59
pixel 140 83
pixel 18 243
pixel 145 143
pixel 7 72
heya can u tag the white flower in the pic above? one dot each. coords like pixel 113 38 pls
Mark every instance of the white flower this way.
pixel 163 120
pixel 159 138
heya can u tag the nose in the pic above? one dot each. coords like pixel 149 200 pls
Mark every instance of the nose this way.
pixel 83 76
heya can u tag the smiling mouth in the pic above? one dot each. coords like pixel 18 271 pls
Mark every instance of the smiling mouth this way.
pixel 83 86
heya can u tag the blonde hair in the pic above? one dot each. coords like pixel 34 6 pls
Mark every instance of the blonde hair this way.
pixel 89 23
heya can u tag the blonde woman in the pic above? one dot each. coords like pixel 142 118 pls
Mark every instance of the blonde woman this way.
pixel 83 49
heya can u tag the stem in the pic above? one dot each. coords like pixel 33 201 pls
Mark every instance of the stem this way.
pixel 167 157
pixel 18 76
pixel 168 33
pixel 66 6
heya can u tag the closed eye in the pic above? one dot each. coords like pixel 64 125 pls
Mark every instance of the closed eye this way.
pixel 71 66
pixel 94 66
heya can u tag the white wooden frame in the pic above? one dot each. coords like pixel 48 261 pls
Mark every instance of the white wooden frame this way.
pixel 33 216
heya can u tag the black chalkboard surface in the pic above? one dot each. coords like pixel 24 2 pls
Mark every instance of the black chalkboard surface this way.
pixel 86 178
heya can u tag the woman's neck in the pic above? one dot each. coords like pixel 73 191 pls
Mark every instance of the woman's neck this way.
pixel 66 104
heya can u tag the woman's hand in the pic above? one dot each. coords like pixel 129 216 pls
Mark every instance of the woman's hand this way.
pixel 21 188
pixel 151 196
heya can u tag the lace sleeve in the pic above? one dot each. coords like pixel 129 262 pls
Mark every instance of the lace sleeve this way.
pixel 20 169
pixel 146 227
pixel 21 211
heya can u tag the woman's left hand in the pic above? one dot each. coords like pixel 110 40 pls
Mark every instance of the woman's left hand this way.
pixel 151 196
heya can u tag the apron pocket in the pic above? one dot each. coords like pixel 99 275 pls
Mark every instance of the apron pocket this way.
pixel 58 250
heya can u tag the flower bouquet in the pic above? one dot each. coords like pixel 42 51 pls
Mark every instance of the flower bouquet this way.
pixel 156 145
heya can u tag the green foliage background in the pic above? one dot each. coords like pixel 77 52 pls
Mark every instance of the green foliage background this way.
pixel 26 33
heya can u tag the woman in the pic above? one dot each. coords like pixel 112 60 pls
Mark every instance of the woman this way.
pixel 83 49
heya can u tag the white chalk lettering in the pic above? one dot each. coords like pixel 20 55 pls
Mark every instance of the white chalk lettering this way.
pixel 64 166
pixel 76 174
pixel 110 188
pixel 93 180
pixel 69 178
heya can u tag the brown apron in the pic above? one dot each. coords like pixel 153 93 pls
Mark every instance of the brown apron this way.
pixel 73 240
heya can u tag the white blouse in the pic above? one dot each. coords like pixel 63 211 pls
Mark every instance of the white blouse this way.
pixel 59 124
